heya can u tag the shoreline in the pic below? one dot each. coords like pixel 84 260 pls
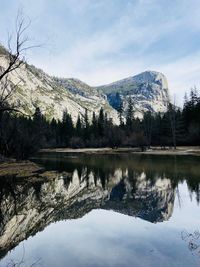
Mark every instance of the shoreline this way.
pixel 29 171
pixel 189 150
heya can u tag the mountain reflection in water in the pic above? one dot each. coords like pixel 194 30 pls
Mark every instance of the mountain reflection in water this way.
pixel 138 186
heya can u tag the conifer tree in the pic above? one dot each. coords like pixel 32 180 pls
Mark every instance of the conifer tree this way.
pixel 78 126
pixel 129 115
pixel 147 126
pixel 66 128
pixel 101 122
pixel 94 127
pixel 120 114
pixel 86 120
pixel 86 125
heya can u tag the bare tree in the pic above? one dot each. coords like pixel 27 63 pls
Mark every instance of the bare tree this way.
pixel 172 118
pixel 13 58
pixel 22 262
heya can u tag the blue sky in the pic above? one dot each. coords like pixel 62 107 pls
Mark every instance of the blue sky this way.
pixel 101 41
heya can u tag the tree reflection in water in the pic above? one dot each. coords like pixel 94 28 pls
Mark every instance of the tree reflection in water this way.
pixel 137 186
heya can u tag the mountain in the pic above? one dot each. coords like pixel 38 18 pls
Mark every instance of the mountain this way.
pixel 32 203
pixel 53 95
pixel 148 91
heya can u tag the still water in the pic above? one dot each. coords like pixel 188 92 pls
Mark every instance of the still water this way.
pixel 103 210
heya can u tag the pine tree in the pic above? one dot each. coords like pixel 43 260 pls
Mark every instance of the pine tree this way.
pixel 86 120
pixel 129 115
pixel 86 126
pixel 165 131
pixel 172 119
pixel 67 128
pixel 37 116
pixel 94 125
pixel 101 122
pixel 120 114
pixel 79 127
pixel 181 134
pixel 147 126
pixel 193 96
pixel 39 128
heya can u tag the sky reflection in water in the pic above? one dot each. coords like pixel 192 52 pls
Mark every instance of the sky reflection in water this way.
pixel 104 237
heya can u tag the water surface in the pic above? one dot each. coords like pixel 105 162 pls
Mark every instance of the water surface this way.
pixel 103 210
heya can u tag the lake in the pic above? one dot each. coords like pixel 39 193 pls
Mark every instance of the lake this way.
pixel 103 210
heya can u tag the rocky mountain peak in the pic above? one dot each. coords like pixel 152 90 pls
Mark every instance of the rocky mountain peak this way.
pixel 150 77
pixel 148 90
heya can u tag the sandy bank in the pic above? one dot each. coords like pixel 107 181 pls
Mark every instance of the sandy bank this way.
pixel 189 150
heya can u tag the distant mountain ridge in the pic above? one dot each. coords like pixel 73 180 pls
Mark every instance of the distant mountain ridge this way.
pixel 148 90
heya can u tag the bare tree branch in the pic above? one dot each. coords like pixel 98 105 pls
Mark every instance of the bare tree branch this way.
pixel 15 58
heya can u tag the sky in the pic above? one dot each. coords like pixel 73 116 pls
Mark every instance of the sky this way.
pixel 102 41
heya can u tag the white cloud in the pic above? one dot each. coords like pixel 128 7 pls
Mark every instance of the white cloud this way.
pixel 103 41
pixel 183 74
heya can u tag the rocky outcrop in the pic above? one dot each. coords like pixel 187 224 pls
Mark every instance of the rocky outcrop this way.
pixel 35 88
pixel 148 91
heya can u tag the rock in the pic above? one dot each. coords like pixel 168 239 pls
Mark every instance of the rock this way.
pixel 148 91
pixel 35 88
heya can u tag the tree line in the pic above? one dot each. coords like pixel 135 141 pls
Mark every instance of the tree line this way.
pixel 21 136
